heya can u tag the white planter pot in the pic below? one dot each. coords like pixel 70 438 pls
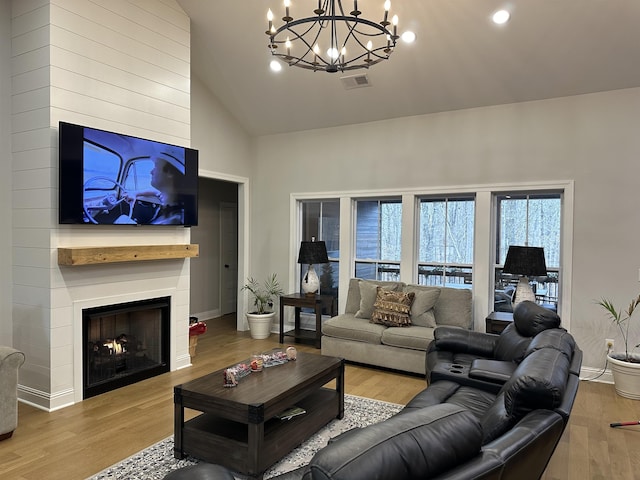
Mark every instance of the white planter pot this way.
pixel 626 377
pixel 260 324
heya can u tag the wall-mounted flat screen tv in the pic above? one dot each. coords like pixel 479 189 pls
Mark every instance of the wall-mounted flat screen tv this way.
pixel 108 178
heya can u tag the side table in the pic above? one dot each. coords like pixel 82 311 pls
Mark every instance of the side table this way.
pixel 299 301
pixel 498 321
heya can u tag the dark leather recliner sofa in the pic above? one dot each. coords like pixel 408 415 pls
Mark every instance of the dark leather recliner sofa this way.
pixel 488 361
pixel 495 408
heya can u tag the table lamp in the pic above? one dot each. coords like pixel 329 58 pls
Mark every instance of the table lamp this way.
pixel 312 253
pixel 527 262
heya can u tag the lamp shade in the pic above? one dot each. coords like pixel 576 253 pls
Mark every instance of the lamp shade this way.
pixel 312 253
pixel 528 261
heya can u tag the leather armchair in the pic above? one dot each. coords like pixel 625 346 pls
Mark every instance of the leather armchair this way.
pixel 10 361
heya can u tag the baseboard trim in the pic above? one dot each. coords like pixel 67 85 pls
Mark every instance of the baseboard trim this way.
pixel 208 315
pixel 49 402
pixel 596 375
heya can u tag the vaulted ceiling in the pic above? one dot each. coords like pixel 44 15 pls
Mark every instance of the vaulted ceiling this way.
pixel 549 48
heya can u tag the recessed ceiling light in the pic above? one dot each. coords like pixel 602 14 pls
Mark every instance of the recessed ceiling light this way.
pixel 501 17
pixel 408 37
pixel 275 65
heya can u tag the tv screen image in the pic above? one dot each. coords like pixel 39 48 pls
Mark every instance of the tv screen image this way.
pixel 109 178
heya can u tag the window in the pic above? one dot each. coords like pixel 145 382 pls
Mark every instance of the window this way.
pixel 321 221
pixel 531 219
pixel 378 239
pixel 100 165
pixel 445 231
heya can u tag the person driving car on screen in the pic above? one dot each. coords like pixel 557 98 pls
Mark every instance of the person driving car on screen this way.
pixel 167 178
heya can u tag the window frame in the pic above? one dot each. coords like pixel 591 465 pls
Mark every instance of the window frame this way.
pixel 384 267
pixel 556 271
pixel 320 237
pixel 460 270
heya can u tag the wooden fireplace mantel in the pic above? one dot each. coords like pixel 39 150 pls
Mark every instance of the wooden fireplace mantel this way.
pixel 73 256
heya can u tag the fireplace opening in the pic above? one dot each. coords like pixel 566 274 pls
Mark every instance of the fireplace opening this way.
pixel 124 344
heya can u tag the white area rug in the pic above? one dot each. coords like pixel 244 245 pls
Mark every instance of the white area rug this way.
pixel 155 462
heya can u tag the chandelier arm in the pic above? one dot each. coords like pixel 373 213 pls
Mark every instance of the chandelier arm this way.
pixel 334 18
pixel 301 37
pixel 287 28
pixel 351 34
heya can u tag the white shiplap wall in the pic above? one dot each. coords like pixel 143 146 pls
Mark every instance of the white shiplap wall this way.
pixel 122 65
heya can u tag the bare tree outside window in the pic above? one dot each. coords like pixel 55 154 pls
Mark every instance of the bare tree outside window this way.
pixel 446 241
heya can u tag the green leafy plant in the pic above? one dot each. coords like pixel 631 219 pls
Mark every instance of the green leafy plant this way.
pixel 622 319
pixel 263 294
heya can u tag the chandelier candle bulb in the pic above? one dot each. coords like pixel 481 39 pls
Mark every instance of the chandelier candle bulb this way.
pixel 387 6
pixel 287 4
pixel 316 51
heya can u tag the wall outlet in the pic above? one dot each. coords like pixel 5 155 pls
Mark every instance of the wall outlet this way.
pixel 608 344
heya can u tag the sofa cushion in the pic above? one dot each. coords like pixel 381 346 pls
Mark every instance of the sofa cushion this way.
pixel 511 345
pixel 476 400
pixel 436 393
pixel 353 296
pixel 422 314
pixel 557 338
pixel 496 420
pixel 531 318
pixel 418 444
pixel 416 338
pixel 454 307
pixel 392 308
pixel 348 327
pixel 539 382
pixel 368 290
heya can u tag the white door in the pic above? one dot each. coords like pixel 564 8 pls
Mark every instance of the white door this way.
pixel 228 257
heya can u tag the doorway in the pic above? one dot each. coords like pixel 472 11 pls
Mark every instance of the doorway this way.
pixel 214 273
pixel 228 257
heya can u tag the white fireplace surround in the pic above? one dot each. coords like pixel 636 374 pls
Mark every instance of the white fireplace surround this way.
pixel 178 345
pixel 175 362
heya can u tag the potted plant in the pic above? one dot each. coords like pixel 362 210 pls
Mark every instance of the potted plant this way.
pixel 625 365
pixel 261 316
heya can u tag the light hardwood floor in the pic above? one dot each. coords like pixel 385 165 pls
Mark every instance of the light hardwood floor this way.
pixel 80 440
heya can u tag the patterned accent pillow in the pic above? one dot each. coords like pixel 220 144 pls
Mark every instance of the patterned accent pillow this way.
pixel 392 308
pixel 368 289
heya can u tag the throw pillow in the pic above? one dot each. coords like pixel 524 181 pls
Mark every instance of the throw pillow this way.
pixel 422 308
pixel 392 308
pixel 368 291
pixel 454 308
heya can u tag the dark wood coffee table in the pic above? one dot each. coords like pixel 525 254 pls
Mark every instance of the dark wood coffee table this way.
pixel 237 427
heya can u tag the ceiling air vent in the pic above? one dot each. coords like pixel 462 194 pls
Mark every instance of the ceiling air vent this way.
pixel 355 81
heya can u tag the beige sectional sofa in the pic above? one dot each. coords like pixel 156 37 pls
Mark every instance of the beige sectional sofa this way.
pixel 354 337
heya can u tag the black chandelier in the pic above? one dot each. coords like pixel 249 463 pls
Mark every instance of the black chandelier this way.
pixel 332 40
